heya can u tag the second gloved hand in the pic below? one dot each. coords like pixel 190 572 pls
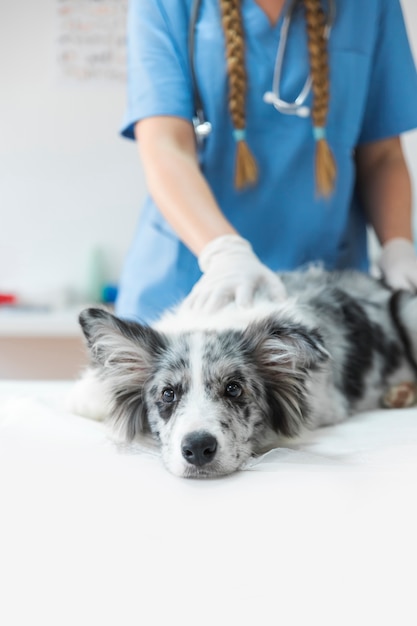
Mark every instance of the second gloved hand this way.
pixel 232 272
pixel 398 264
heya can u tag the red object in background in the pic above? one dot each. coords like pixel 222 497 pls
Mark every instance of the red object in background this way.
pixel 8 298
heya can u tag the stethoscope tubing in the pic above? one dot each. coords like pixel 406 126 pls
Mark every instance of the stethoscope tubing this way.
pixel 201 126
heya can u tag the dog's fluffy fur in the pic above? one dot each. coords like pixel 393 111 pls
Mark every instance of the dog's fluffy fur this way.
pixel 215 390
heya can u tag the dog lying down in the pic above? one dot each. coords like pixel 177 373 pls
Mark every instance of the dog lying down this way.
pixel 214 391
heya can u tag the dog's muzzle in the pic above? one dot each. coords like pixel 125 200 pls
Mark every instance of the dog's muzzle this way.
pixel 199 448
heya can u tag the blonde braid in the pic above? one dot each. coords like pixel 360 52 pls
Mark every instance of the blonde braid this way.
pixel 246 170
pixel 319 68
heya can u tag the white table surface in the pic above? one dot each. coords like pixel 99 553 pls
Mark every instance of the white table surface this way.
pixel 324 532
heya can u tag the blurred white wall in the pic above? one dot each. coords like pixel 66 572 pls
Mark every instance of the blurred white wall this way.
pixel 68 183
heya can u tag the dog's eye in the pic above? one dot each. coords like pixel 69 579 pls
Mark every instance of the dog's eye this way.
pixel 168 395
pixel 233 390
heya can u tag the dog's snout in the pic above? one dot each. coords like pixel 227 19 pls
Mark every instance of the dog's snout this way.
pixel 199 448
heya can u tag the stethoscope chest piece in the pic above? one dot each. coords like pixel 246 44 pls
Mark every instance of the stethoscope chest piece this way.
pixel 202 128
pixel 288 108
pixel 298 106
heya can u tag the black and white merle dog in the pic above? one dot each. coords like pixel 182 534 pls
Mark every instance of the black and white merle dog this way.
pixel 214 391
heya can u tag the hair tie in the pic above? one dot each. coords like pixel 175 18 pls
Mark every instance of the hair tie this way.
pixel 319 132
pixel 239 134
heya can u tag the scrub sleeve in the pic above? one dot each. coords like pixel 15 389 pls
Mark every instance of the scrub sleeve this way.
pixel 158 84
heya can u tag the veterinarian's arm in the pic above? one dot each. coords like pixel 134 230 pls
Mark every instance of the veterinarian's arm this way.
pixel 231 269
pixel 385 188
pixel 168 153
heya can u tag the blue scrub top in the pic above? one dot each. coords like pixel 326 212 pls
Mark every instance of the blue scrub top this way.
pixel 373 95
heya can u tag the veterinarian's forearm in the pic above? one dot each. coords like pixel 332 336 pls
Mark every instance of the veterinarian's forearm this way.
pixel 385 188
pixel 168 153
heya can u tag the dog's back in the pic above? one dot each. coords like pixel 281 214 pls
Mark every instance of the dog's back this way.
pixel 369 330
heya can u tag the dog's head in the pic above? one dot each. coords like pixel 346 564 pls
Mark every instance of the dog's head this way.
pixel 212 397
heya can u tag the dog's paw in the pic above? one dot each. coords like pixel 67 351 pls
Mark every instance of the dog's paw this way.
pixel 88 398
pixel 400 396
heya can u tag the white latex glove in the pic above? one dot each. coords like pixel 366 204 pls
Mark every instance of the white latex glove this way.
pixel 232 272
pixel 398 264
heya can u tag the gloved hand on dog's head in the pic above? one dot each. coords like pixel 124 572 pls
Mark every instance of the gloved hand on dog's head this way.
pixel 232 272
pixel 398 264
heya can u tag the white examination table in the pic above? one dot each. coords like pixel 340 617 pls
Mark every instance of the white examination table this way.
pixel 324 532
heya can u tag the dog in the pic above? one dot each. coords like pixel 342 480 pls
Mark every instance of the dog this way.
pixel 215 390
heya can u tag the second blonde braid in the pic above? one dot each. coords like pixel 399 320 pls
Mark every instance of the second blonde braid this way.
pixel 246 172
pixel 319 69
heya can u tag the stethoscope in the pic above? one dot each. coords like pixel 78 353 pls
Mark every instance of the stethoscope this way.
pixel 202 127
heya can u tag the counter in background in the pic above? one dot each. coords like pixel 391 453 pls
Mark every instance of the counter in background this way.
pixel 41 344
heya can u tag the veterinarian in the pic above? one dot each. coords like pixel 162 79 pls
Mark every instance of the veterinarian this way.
pixel 297 108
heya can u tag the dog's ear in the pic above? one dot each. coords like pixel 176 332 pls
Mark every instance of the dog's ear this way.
pixel 124 354
pixel 111 340
pixel 288 345
pixel 284 352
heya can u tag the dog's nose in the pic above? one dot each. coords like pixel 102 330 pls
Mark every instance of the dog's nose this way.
pixel 199 448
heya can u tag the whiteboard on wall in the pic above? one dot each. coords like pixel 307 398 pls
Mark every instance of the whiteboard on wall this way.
pixel 91 41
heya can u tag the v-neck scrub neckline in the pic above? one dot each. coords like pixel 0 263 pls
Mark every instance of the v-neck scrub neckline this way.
pixel 255 16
